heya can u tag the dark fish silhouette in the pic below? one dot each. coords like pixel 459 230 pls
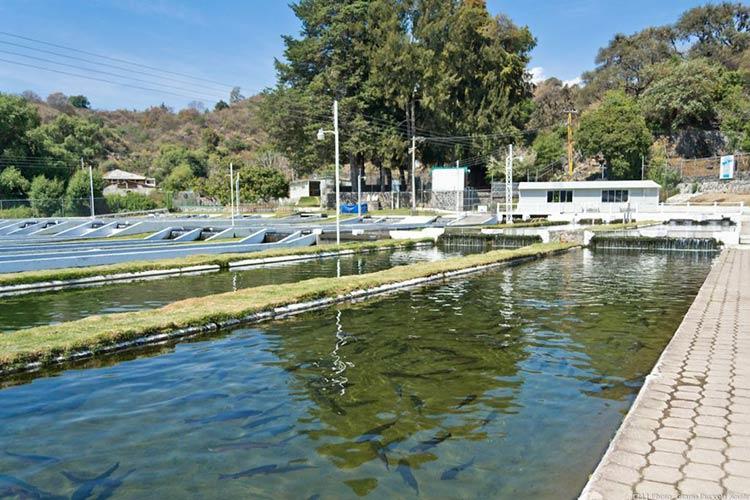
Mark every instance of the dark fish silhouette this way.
pixel 404 375
pixel 432 442
pixel 404 469
pixel 87 486
pixel 266 469
pixel 224 417
pixel 200 396
pixel 467 400
pixel 417 402
pixel 451 473
pixel 32 459
pixel 489 418
pixel 259 422
pixel 437 372
pixel 380 453
pixel 365 402
pixel 110 485
pixel 11 487
pixel 375 431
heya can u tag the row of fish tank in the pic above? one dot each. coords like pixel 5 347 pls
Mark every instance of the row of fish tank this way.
pixel 505 384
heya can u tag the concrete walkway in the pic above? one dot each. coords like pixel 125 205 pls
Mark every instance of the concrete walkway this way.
pixel 688 432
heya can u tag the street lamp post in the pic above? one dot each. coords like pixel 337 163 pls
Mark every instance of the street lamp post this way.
pixel 321 136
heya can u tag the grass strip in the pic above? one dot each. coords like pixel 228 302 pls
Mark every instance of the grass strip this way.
pixel 45 344
pixel 222 260
pixel 619 226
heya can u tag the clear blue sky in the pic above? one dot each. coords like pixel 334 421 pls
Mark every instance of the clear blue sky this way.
pixel 235 41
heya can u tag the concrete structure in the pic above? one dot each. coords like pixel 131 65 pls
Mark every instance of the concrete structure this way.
pixel 309 187
pixel 687 434
pixel 586 197
pixel 122 182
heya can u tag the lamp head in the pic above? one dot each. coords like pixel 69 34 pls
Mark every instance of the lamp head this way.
pixel 321 134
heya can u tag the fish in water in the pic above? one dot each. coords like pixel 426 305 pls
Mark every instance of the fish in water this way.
pixel 365 402
pixel 110 485
pixel 224 417
pixel 417 402
pixel 404 470
pixel 404 375
pixel 488 419
pixel 467 400
pixel 380 453
pixel 432 442
pixel 375 431
pixel 86 486
pixel 260 421
pixel 451 473
pixel 12 487
pixel 266 469
pixel 32 459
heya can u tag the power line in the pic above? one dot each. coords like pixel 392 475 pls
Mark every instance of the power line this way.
pixel 114 66
pixel 123 61
pixel 77 75
pixel 80 68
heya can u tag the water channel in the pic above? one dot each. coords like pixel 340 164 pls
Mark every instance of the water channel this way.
pixel 25 311
pixel 506 384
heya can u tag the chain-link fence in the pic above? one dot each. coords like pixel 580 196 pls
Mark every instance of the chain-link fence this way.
pixel 466 200
pixel 708 168
pixel 78 207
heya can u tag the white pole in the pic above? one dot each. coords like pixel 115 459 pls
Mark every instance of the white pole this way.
pixel 231 190
pixel 338 194
pixel 413 173
pixel 359 196
pixel 237 192
pixel 509 186
pixel 91 188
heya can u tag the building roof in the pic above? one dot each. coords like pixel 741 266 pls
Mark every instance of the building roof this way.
pixel 587 185
pixel 121 175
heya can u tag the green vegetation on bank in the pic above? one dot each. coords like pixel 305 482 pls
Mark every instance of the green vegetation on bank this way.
pixel 222 261
pixel 603 228
pixel 44 344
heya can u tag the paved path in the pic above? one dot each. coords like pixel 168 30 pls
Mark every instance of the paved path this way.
pixel 688 432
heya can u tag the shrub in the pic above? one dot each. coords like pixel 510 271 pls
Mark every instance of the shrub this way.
pixel 46 195
pixel 131 202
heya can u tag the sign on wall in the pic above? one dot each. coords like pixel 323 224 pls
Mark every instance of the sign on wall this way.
pixel 727 167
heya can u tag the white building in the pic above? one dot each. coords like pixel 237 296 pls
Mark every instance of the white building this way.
pixel 571 200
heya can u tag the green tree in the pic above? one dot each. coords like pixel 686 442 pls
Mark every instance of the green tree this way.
pixel 17 118
pixel 13 184
pixel 683 95
pixel 46 195
pixel 221 105
pixel 261 183
pixel 180 179
pixel 79 101
pixel 68 139
pixel 78 192
pixel 615 129
pixel 172 156
pixel 549 147
pixel 719 31
pixel 625 61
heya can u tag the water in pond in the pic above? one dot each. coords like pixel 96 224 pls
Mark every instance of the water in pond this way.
pixel 506 384
pixel 25 311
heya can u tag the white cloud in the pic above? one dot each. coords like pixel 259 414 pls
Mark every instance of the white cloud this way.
pixel 575 81
pixel 537 74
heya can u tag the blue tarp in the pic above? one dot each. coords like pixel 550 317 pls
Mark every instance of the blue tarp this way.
pixel 351 208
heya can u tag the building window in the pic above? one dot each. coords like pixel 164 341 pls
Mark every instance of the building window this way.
pixel 614 195
pixel 564 196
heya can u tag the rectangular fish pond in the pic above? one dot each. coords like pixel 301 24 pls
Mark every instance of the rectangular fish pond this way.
pixel 504 384
pixel 26 311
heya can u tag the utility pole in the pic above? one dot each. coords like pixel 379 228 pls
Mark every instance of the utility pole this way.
pixel 359 197
pixel 643 167
pixel 91 188
pixel 509 186
pixel 231 191
pixel 570 113
pixel 321 135
pixel 413 172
